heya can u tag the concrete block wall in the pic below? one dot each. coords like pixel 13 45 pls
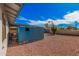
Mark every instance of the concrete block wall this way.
pixel 68 32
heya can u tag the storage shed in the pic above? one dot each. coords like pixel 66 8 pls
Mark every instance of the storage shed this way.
pixel 29 34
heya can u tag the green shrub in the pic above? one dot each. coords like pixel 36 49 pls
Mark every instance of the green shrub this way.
pixel 54 29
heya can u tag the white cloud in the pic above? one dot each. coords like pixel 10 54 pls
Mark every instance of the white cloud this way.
pixel 33 22
pixel 61 22
pixel 74 16
pixel 69 18
pixel 56 22
pixel 21 18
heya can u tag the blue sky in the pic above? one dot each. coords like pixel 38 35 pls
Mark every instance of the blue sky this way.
pixel 39 13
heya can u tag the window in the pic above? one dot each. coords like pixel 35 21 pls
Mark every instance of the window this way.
pixel 27 29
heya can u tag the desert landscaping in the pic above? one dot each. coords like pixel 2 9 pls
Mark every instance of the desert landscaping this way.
pixel 57 45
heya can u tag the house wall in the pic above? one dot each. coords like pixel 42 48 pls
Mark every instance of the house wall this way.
pixel 0 30
pixel 3 44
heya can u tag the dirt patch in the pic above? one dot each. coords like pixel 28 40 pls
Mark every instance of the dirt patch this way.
pixel 58 45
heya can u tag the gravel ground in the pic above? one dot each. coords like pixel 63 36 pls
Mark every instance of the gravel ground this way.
pixel 58 45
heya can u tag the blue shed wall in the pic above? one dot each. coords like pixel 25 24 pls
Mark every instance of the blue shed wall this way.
pixel 32 34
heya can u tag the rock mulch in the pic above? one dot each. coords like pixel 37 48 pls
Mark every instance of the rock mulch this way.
pixel 58 45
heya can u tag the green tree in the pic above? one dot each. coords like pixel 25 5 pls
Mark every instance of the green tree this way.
pixel 46 26
pixel 53 28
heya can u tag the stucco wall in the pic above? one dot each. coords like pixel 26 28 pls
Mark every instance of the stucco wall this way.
pixel 3 45
pixel 5 42
pixel 0 30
